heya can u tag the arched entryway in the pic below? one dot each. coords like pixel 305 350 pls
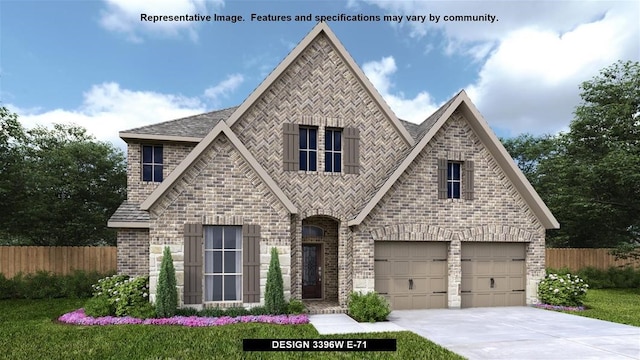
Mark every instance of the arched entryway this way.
pixel 320 258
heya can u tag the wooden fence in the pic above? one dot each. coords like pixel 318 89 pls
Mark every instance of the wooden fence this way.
pixel 576 259
pixel 59 259
pixel 65 259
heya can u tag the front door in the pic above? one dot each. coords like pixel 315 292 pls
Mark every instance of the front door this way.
pixel 311 271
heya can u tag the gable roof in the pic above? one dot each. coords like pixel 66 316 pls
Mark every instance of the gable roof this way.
pixel 191 128
pixel 344 54
pixel 490 141
pixel 220 128
pixel 129 215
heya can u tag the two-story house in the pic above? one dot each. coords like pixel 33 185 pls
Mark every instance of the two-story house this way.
pixel 316 164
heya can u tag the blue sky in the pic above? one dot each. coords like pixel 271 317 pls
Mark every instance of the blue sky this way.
pixel 94 63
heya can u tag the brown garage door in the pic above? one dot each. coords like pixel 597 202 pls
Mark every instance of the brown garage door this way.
pixel 493 274
pixel 412 275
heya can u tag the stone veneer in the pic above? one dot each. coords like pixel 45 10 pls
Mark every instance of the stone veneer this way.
pixel 411 211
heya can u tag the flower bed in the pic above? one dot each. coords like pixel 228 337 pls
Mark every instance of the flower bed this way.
pixel 78 317
pixel 559 307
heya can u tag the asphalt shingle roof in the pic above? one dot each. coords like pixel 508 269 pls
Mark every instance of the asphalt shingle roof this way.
pixel 129 212
pixel 197 126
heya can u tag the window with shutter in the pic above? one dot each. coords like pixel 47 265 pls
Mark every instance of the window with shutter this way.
pixel 251 263
pixel 351 150
pixel 290 140
pixel 193 263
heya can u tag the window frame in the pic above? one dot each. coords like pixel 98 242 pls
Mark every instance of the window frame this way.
pixel 452 182
pixel 223 273
pixel 330 151
pixel 307 152
pixel 153 164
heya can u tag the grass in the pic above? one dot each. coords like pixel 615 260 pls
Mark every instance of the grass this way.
pixel 28 331
pixel 615 305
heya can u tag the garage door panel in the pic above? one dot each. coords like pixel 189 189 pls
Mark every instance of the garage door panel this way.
pixel 422 262
pixel 501 262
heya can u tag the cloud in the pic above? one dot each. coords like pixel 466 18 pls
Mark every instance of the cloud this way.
pixel 414 110
pixel 123 16
pixel 224 88
pixel 533 59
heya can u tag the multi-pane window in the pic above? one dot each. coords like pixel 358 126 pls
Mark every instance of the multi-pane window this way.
pixel 152 163
pixel 312 231
pixel 308 148
pixel 333 150
pixel 453 180
pixel 223 263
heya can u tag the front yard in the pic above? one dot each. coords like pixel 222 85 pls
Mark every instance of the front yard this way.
pixel 28 331
pixel 615 305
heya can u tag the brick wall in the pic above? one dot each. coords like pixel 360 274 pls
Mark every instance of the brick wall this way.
pixel 412 211
pixel 133 252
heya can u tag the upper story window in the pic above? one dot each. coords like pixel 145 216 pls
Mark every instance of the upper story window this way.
pixel 333 150
pixel 453 180
pixel 308 148
pixel 152 163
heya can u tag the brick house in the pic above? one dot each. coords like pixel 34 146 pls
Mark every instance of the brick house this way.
pixel 315 164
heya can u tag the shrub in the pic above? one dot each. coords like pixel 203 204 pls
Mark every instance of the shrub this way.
pixel 130 295
pixel 79 283
pixel 107 286
pixel 369 307
pixel 99 306
pixel 562 290
pixel 167 294
pixel 7 288
pixel 236 311
pixel 258 310
pixel 296 307
pixel 42 285
pixel 274 293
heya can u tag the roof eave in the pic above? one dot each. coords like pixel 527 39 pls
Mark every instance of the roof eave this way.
pixel 133 136
pixel 128 224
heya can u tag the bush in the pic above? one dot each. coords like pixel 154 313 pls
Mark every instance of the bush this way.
pixel 126 296
pixel 99 306
pixel 614 277
pixel 167 294
pixel 274 293
pixel 108 285
pixel 47 285
pixel 79 283
pixel 296 307
pixel 258 310
pixel 562 290
pixel 369 307
pixel 7 288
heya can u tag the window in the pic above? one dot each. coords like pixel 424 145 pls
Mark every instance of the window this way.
pixel 333 150
pixel 312 231
pixel 453 180
pixel 308 148
pixel 152 163
pixel 223 263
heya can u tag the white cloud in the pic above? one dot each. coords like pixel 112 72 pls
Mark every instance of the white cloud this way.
pixel 533 59
pixel 416 109
pixel 224 88
pixel 108 109
pixel 123 16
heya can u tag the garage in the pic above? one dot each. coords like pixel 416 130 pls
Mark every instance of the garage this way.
pixel 412 275
pixel 493 274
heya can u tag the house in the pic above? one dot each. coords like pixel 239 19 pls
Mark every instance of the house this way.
pixel 315 164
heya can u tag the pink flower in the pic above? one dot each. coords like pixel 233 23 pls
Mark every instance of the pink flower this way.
pixel 78 317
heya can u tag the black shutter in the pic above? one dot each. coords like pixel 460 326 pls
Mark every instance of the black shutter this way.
pixel 468 180
pixel 442 178
pixel 193 263
pixel 290 147
pixel 351 151
pixel 251 263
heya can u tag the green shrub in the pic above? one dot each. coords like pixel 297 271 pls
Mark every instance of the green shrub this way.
pixel 167 294
pixel 42 285
pixel 187 312
pixel 130 295
pixel 99 306
pixel 258 310
pixel 274 293
pixel 369 307
pixel 236 311
pixel 107 286
pixel 562 290
pixel 296 307
pixel 212 312
pixel 7 288
pixel 79 283
pixel 145 310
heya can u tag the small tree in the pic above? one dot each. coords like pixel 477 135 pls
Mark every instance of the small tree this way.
pixel 166 295
pixel 274 294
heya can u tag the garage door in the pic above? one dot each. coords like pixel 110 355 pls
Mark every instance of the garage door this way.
pixel 493 274
pixel 412 275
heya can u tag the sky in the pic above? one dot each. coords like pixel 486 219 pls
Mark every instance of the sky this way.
pixel 97 65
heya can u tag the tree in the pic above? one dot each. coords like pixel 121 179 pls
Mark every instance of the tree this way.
pixel 61 185
pixel 274 293
pixel 167 295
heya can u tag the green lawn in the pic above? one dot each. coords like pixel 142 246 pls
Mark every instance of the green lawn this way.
pixel 28 331
pixel 616 305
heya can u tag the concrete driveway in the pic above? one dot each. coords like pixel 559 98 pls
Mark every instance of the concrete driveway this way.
pixel 522 333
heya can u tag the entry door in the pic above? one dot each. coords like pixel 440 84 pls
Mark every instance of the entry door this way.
pixel 311 271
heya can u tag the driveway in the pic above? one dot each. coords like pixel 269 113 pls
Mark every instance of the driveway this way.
pixel 522 333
